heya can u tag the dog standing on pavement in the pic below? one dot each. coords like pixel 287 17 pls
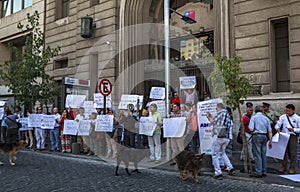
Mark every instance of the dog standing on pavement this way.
pixel 188 161
pixel 11 149
pixel 130 155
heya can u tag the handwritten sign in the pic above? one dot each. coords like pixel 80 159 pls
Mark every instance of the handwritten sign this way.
pixel 157 93
pixel 104 123
pixel 130 99
pixel 147 125
pixel 84 127
pixel 188 82
pixel 48 122
pixel 35 120
pixel 174 127
pixel 24 122
pixel 205 127
pixel 88 108
pixel 161 107
pixel 75 101
pixel 99 101
pixel 70 127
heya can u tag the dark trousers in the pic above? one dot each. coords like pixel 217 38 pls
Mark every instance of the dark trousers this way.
pixel 3 134
pixel 291 152
pixel 129 139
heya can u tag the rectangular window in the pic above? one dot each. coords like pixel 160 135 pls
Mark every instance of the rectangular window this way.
pixel 62 63
pixel 12 6
pixel 280 55
pixel 62 8
pixel 27 3
pixel 17 5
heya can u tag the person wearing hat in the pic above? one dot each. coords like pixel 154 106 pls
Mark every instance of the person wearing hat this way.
pixel 273 116
pixel 154 140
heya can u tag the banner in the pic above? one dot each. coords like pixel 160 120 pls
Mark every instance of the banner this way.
pixel 204 126
pixel 24 122
pixel 84 127
pixel 188 82
pixel 147 125
pixel 35 120
pixel 74 101
pixel 88 108
pixel 174 127
pixel 157 93
pixel 48 122
pixel 104 123
pixel 130 99
pixel 161 107
pixel 70 127
pixel 99 101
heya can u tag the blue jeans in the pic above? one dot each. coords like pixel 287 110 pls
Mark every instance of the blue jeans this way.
pixel 259 149
pixel 55 139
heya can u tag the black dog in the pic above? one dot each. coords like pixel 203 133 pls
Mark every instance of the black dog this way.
pixel 130 155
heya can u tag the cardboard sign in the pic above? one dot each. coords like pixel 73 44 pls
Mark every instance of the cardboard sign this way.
pixel 84 127
pixel 24 122
pixel 174 127
pixel 157 93
pixel 74 101
pixel 130 99
pixel 35 120
pixel 147 125
pixel 188 82
pixel 48 122
pixel 104 123
pixel 70 127
pixel 99 101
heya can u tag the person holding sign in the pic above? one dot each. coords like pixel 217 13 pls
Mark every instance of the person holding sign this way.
pixel 154 141
pixel 65 139
pixel 177 143
pixel 190 95
pixel 80 116
pixel 221 127
pixel 40 133
pixel 54 133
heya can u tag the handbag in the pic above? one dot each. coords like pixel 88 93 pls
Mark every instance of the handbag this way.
pixel 19 125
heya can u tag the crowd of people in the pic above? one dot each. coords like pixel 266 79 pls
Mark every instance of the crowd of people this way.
pixel 257 123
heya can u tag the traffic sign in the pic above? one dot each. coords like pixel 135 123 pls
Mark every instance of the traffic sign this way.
pixel 105 87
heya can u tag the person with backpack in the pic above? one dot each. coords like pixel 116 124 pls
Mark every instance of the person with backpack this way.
pixel 221 127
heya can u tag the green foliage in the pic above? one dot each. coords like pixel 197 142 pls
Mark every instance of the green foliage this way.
pixel 227 81
pixel 25 76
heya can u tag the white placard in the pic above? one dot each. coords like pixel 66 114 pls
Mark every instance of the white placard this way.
pixel 84 127
pixel 295 178
pixel 157 93
pixel 104 123
pixel 278 148
pixel 70 127
pixel 74 101
pixel 161 107
pixel 188 82
pixel 48 122
pixel 147 125
pixel 1 112
pixel 35 120
pixel 99 101
pixel 88 108
pixel 174 127
pixel 24 122
pixel 205 127
pixel 130 99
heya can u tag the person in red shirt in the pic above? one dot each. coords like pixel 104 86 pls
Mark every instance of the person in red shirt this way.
pixel 246 121
pixel 65 139
pixel 176 98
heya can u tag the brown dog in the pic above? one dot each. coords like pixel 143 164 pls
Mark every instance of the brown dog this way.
pixel 189 162
pixel 130 155
pixel 11 149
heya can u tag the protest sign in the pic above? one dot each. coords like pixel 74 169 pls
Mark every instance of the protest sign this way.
pixel 70 127
pixel 130 99
pixel 99 101
pixel 89 108
pixel 147 125
pixel 188 82
pixel 74 101
pixel 278 148
pixel 48 122
pixel 104 123
pixel 157 93
pixel 24 122
pixel 1 112
pixel 161 107
pixel 35 120
pixel 205 127
pixel 84 127
pixel 174 127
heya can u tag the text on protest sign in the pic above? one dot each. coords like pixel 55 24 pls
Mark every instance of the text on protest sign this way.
pixel 24 122
pixel 70 127
pixel 99 101
pixel 89 108
pixel 84 127
pixel 130 99
pixel 147 125
pixel 157 93
pixel 204 125
pixel 188 82
pixel 75 101
pixel 104 123
pixel 48 122
pixel 35 120
pixel 174 127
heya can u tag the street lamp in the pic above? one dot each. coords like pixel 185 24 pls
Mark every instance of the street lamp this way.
pixel 185 18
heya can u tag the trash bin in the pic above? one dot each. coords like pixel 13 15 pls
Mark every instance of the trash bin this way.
pixel 75 148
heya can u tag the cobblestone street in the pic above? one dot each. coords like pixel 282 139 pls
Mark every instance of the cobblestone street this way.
pixel 35 171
